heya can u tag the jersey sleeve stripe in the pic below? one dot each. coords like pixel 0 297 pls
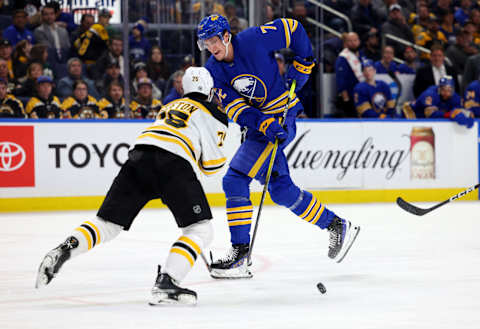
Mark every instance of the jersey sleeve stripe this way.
pixel 286 28
pixel 215 162
pixel 281 107
pixel 238 112
pixel 365 106
pixel 471 103
pixel 276 100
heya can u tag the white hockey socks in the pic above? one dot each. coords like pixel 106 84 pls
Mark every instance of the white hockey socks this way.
pixel 93 232
pixel 187 249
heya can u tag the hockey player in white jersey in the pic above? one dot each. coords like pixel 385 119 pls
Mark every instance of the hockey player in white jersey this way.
pixel 188 132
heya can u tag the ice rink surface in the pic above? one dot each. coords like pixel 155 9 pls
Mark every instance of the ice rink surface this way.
pixel 403 272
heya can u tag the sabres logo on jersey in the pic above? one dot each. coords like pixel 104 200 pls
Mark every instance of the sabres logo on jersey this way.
pixel 251 87
pixel 379 101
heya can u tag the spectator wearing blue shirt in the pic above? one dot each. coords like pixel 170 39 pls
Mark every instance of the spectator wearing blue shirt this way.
pixel 412 63
pixel 177 90
pixel 18 31
pixel 139 46
pixel 386 65
pixel 461 14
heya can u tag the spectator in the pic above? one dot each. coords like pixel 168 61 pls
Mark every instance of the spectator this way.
pixel 441 102
pixel 373 98
pixel 114 53
pixel 471 71
pixel 113 105
pixel 420 20
pixel 18 31
pixel 448 28
pixel 10 107
pixel 39 53
pixel 93 43
pixel 281 62
pixel 371 48
pixel 176 91
pixel 412 63
pixel 145 106
pixel 75 72
pixel 6 54
pixel 21 58
pixel 475 19
pixel 44 104
pixel 86 23
pixel 140 71
pixel 53 36
pixel 461 50
pixel 139 45
pixel 80 105
pixel 64 20
pixel 348 70
pixel 442 7
pixel 299 13
pixel 27 84
pixel 472 29
pixel 4 75
pixel 433 36
pixel 365 17
pixel 211 7
pixel 397 26
pixel 430 74
pixel 157 68
pixel 231 14
pixel 386 65
pixel 462 13
pixel 112 73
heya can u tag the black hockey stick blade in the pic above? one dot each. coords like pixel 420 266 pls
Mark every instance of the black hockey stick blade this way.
pixel 421 211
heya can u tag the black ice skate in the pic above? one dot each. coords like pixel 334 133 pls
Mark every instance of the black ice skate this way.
pixel 233 265
pixel 167 292
pixel 342 236
pixel 53 261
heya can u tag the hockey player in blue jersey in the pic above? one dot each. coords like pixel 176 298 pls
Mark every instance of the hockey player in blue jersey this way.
pixel 441 102
pixel 373 98
pixel 254 96
pixel 472 98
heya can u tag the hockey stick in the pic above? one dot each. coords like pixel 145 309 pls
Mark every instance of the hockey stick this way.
pixel 269 171
pixel 421 211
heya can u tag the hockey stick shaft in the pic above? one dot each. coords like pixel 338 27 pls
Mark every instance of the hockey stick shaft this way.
pixel 422 211
pixel 269 171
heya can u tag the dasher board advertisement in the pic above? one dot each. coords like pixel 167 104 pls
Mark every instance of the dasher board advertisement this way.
pixel 55 158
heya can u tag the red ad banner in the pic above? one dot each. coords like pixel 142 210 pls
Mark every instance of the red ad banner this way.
pixel 17 156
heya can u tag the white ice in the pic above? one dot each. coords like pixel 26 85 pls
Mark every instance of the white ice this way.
pixel 403 272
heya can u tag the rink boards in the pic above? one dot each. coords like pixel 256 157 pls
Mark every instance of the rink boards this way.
pixel 62 165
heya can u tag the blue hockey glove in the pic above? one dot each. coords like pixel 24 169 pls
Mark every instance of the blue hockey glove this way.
pixel 463 117
pixel 272 129
pixel 300 70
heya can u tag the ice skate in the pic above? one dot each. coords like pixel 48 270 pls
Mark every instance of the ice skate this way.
pixel 167 292
pixel 234 265
pixel 342 236
pixel 53 261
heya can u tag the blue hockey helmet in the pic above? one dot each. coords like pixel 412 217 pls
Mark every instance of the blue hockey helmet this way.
pixel 210 26
pixel 446 80
pixel 366 63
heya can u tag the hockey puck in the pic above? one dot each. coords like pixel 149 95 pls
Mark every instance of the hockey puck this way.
pixel 321 288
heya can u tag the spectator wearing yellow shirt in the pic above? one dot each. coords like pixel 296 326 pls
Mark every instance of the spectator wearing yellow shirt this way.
pixel 432 36
pixel 44 104
pixel 80 105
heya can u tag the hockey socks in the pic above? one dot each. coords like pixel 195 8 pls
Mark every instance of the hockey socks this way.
pixel 311 210
pixel 239 215
pixel 93 232
pixel 182 256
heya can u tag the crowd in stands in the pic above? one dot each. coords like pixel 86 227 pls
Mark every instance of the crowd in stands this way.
pixel 51 67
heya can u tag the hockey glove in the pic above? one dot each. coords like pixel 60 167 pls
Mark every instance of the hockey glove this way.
pixel 300 70
pixel 462 117
pixel 272 129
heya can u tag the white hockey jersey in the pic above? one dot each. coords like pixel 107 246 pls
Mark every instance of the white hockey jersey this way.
pixel 192 129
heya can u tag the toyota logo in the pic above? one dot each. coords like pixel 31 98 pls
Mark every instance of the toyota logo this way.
pixel 12 156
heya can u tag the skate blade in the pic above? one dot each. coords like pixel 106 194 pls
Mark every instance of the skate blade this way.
pixel 352 236
pixel 42 277
pixel 164 299
pixel 231 274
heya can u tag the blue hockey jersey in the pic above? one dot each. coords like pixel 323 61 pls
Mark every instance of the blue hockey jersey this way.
pixel 472 98
pixel 431 105
pixel 251 86
pixel 373 101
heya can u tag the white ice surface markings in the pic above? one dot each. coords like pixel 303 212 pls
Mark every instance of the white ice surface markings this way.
pixel 402 272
